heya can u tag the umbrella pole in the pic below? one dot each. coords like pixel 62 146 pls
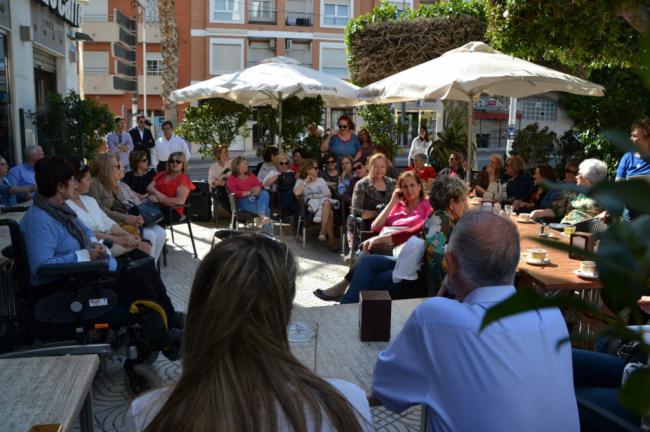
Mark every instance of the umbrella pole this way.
pixel 280 121
pixel 468 174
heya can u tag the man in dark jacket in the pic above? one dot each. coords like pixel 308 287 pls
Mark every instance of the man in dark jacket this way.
pixel 142 137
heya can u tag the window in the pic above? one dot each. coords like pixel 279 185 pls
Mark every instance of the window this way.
pixel 336 13
pixel 96 10
pixel 333 60
pixel 154 67
pixel 401 4
pixel 226 10
pixel 301 51
pixel 151 11
pixel 537 109
pixel 226 55
pixel 259 50
pixel 96 62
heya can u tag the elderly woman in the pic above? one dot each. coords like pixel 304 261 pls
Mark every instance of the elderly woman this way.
pixel 343 141
pixel 426 173
pixel 172 187
pixel 401 218
pixel 236 355
pixel 520 185
pixel 543 196
pixel 7 190
pixel 89 213
pixel 106 174
pixel 141 174
pixel 250 193
pixel 54 235
pixel 491 184
pixel 455 167
pixel 574 208
pixel 318 200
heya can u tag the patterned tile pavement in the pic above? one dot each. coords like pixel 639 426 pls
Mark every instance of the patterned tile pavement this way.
pixel 319 268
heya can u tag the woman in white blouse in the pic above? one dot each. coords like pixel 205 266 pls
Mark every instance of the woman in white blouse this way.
pixel 420 145
pixel 89 212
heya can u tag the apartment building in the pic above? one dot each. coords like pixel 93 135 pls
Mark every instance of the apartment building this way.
pixel 100 65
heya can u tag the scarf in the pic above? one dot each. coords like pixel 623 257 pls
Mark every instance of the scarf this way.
pixel 66 216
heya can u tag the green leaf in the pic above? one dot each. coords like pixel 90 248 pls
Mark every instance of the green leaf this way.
pixel 525 300
pixel 614 196
pixel 635 395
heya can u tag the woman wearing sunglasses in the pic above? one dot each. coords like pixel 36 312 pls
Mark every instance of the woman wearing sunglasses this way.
pixel 172 187
pixel 343 141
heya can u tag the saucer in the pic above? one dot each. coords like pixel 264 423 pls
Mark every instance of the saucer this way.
pixel 525 221
pixel 585 275
pixel 538 262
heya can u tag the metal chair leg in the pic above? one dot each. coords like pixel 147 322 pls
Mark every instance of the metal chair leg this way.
pixel 304 237
pixel 189 227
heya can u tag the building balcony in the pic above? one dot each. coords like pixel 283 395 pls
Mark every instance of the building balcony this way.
pixel 300 19
pixel 262 17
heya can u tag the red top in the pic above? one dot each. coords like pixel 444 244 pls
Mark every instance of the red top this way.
pixel 425 173
pixel 169 187
pixel 238 185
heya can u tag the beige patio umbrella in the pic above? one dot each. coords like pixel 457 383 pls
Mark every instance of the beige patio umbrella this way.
pixel 270 82
pixel 466 72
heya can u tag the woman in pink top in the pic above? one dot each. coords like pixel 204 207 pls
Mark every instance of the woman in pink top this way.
pixel 401 218
pixel 250 193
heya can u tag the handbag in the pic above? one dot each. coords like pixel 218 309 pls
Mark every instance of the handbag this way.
pixel 149 211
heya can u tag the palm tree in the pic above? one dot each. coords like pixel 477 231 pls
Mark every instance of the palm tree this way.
pixel 453 136
pixel 169 52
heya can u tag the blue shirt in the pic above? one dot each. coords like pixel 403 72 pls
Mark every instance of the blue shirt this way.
pixel 520 187
pixel 6 198
pixel 22 175
pixel 510 377
pixel 344 148
pixel 49 242
pixel 632 166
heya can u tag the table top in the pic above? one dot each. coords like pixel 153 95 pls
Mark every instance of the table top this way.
pixel 340 352
pixel 559 273
pixel 44 390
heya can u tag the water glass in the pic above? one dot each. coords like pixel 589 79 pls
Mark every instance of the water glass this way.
pixel 303 341
pixel 509 209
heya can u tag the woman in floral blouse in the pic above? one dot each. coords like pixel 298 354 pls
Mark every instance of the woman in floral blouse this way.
pixel 574 208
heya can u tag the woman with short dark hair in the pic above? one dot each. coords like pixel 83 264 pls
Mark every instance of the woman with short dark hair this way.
pixel 543 195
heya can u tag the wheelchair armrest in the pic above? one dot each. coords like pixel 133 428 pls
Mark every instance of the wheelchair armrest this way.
pixel 53 270
pixel 13 209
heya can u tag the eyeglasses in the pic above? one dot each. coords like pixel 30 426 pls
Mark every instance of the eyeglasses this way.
pixel 570 171
pixel 358 167
pixel 343 126
pixel 331 161
pixel 175 161
pixel 284 163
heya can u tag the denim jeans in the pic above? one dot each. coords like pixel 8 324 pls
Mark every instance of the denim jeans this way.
pixel 597 378
pixel 372 273
pixel 258 205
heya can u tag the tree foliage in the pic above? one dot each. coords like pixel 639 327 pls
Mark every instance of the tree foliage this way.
pixel 72 127
pixel 534 145
pixel 215 122
pixel 453 137
pixel 383 126
pixel 581 34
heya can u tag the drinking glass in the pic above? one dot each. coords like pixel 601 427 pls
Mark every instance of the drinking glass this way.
pixel 569 229
pixel 303 341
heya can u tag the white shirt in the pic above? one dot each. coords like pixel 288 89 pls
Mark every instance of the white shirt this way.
pixel 216 171
pixel 512 376
pixel 164 147
pixel 93 217
pixel 418 146
pixel 145 408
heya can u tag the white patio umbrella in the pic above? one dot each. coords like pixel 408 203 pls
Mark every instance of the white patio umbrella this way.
pixel 270 82
pixel 466 72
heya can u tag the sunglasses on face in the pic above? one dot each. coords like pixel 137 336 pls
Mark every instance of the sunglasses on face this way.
pixel 284 163
pixel 175 161
pixel 358 167
pixel 331 161
pixel 343 126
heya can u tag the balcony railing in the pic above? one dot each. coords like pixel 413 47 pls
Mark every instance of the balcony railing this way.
pixel 262 16
pixel 302 19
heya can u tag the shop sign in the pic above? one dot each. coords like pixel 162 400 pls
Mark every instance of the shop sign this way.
pixel 48 31
pixel 69 10
pixel 5 16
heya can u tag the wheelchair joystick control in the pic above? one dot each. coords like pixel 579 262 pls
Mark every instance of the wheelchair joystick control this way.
pixel 76 306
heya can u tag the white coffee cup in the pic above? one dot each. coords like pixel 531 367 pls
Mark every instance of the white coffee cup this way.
pixel 537 254
pixel 588 267
pixel 524 217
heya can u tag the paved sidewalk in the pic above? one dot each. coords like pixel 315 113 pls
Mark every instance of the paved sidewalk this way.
pixel 318 268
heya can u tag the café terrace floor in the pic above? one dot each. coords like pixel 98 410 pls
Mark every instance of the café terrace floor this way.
pixel 318 268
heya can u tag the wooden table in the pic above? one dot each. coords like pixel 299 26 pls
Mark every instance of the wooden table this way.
pixel 47 390
pixel 340 353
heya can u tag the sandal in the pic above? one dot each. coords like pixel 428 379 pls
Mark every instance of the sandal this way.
pixel 321 295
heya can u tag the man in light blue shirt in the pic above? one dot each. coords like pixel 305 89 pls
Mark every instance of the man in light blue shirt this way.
pixel 23 175
pixel 509 377
pixel 120 143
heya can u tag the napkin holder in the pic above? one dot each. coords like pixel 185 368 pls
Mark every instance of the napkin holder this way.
pixel 374 316
pixel 582 241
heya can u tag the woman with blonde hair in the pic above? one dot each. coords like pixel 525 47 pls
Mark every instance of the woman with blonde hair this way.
pixel 238 371
pixel 106 172
pixel 172 187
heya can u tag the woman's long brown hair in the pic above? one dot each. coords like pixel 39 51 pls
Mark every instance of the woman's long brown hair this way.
pixel 237 366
